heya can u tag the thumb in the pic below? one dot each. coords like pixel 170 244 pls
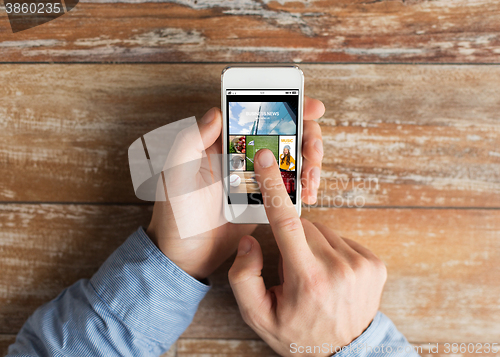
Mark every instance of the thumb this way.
pixel 191 141
pixel 248 286
pixel 187 153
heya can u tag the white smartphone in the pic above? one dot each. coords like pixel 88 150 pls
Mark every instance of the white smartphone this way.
pixel 262 107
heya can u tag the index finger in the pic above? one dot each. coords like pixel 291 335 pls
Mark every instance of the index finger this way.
pixel 282 214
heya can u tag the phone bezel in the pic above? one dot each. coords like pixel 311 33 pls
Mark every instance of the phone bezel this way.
pixel 261 77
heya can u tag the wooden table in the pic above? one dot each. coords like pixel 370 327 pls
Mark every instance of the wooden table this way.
pixel 412 91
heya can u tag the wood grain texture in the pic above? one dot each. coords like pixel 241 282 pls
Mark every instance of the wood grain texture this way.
pixel 5 342
pixel 199 347
pixel 45 248
pixel 443 281
pixel 263 31
pixel 395 135
pixel 222 348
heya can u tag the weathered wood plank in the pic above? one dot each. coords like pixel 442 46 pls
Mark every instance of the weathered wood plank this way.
pixel 442 286
pixel 443 281
pixel 45 248
pixel 246 348
pixel 272 31
pixel 5 342
pixel 412 135
pixel 220 348
pixel 213 347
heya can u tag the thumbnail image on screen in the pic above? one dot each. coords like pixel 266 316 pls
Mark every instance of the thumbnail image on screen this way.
pixel 258 120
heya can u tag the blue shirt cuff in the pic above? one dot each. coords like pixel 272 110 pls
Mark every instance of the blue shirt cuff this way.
pixel 381 338
pixel 146 290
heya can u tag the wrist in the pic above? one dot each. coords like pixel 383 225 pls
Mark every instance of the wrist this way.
pixel 369 336
pixel 180 254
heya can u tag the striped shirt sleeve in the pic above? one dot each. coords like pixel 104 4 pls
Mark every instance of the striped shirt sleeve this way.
pixel 137 304
pixel 380 339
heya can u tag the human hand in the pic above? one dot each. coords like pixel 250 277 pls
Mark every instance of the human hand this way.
pixel 199 256
pixel 330 286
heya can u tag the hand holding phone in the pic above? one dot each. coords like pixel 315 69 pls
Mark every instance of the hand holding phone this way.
pixel 201 256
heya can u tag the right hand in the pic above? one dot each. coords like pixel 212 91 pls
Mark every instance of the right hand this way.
pixel 331 286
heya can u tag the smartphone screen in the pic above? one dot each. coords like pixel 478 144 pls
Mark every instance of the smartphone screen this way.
pixel 257 119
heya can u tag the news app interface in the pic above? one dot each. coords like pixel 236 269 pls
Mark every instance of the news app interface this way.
pixel 260 119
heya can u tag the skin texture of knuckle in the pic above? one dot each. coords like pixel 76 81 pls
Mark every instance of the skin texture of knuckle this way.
pixel 378 265
pixel 361 264
pixel 315 283
pixel 345 273
pixel 289 224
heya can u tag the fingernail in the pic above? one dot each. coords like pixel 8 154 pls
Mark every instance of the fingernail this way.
pixel 209 116
pixel 245 246
pixel 266 158
pixel 315 177
pixel 318 145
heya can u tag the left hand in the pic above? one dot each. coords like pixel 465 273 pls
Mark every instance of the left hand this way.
pixel 200 256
